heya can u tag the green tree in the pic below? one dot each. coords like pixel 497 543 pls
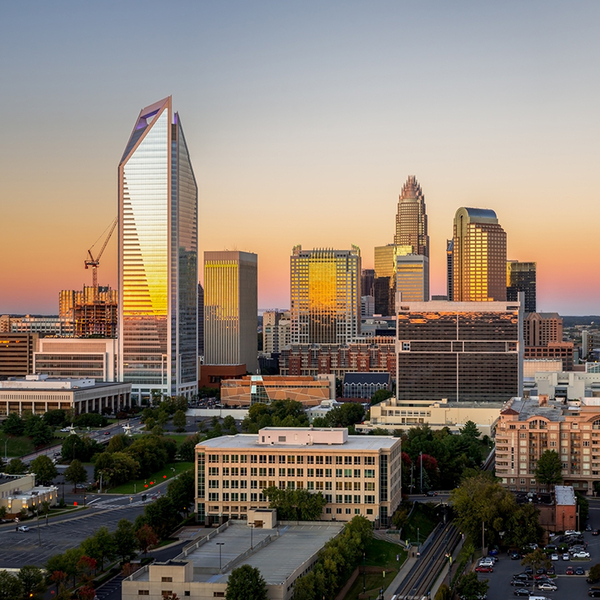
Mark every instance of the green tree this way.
pixel 187 448
pixel 75 473
pixel 346 415
pixel 380 396
pixel 583 507
pixel 116 468
pixel 146 537
pixel 44 469
pixel 55 418
pixel 16 467
pixel 14 425
pixel 125 541
pixel 246 583
pixel 100 546
pixel 119 443
pixel 32 580
pixel 161 516
pixel 10 586
pixel 548 469
pixel 296 505
pixel 523 527
pixel 470 430
pixel 536 560
pixel 594 573
pixel 229 425
pixel 470 588
pixel 179 421
pixel 181 490
pixel 41 434
pixel 443 593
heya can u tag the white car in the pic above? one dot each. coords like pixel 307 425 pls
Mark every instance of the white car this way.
pixel 566 556
pixel 547 587
pixel 581 554
pixel 486 562
pixel 23 528
pixel 572 532
pixel 554 556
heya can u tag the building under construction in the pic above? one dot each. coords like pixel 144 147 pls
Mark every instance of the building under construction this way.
pixel 92 311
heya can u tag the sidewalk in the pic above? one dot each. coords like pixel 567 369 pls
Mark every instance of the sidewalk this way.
pixel 404 571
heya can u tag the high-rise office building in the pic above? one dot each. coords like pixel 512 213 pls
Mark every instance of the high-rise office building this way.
pixel 325 295
pixel 231 309
pixel 479 257
pixel 461 351
pixel 521 277
pixel 412 275
pixel 450 270
pixel 367 282
pixel 158 258
pixel 200 320
pixel 410 237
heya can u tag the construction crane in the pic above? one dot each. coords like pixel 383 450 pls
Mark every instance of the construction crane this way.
pixel 95 262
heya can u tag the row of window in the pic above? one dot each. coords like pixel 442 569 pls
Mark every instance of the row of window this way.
pixel 226 484
pixel 290 459
pixel 257 497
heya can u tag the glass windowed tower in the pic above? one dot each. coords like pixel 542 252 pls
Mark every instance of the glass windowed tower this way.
pixel 158 258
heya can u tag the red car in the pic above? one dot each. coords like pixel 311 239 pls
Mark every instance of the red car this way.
pixel 484 569
pixel 570 571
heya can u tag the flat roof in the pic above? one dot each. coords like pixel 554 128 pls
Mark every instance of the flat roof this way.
pixel 276 561
pixel 249 441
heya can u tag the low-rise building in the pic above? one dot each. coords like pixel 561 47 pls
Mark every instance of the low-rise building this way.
pixel 252 389
pixel 364 385
pixel 395 414
pixel 40 393
pixel 358 475
pixel 18 492
pixel 529 426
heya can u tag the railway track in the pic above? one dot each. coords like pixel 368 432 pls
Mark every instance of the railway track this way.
pixel 431 561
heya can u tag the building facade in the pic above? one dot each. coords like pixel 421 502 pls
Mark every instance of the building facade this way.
pixel 460 351
pixel 92 311
pixel 376 354
pixel 357 475
pixel 529 427
pixel 276 330
pixel 325 295
pixel 158 258
pixel 522 277
pixel 77 358
pixel 16 354
pixel 541 329
pixel 478 257
pixel 386 280
pixel 364 385
pixel 412 276
pixel 231 309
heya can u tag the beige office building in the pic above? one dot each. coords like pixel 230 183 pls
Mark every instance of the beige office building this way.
pixel 358 475
pixel 231 309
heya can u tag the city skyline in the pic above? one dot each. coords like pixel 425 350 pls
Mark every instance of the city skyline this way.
pixel 303 124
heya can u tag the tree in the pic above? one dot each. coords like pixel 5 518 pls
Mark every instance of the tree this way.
pixel 41 434
pixel 55 418
pixel 100 546
pixel 161 516
pixel 181 490
pixel 470 430
pixel 179 421
pixel 125 540
pixel 470 588
pixel 380 396
pixel 44 469
pixel 10 586
pixel 14 425
pixel 246 583
pixel 116 468
pixel 16 467
pixel 187 449
pixel 75 473
pixel 296 505
pixel 229 425
pixel 32 579
pixel 146 537
pixel 119 443
pixel 583 506
pixel 536 559
pixel 443 593
pixel 548 469
pixel 594 573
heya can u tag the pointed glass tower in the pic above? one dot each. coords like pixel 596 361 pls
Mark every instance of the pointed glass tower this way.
pixel 411 219
pixel 158 258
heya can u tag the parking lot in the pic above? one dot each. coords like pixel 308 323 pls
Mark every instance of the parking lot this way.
pixel 569 586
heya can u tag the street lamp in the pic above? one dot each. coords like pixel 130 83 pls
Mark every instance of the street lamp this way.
pixel 220 544
pixel 364 572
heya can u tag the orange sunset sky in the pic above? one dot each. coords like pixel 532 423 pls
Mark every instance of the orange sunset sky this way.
pixel 303 121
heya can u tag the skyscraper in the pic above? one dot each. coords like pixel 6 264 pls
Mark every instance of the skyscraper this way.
pixel 413 285
pixel 410 237
pixel 450 270
pixel 325 295
pixel 521 277
pixel 231 309
pixel 478 256
pixel 158 257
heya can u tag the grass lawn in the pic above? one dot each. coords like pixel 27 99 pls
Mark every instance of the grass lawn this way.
pixel 178 437
pixel 17 445
pixel 422 519
pixel 138 485
pixel 380 554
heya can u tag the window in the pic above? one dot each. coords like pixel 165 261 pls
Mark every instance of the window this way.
pixel 369 473
pixel 167 579
pixel 356 499
pixel 369 499
pixel 281 459
pixel 213 497
pixel 338 498
pixel 291 460
pixel 347 472
pixel 328 473
pixel 338 472
pixel 369 460
pixel 143 592
pixel 319 472
pixel 338 460
pixel 310 472
pixel 347 460
pixel 319 460
pixel 300 460
pixel 357 460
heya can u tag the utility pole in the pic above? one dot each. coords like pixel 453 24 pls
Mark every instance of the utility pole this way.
pixel 421 461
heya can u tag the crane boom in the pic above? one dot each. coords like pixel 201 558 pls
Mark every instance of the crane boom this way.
pixel 95 262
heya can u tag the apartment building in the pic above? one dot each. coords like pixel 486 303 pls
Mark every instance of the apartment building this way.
pixel 529 427
pixel 358 475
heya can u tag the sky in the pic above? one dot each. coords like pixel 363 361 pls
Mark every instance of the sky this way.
pixel 303 121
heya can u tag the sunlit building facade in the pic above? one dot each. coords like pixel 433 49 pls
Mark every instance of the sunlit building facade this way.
pixel 385 277
pixel 325 295
pixel 231 309
pixel 412 276
pixel 478 257
pixel 462 352
pixel 158 258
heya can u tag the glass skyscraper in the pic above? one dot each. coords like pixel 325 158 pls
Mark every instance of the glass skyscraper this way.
pixel 158 258
pixel 325 295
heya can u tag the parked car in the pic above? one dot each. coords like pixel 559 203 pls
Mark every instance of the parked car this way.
pixel 521 592
pixel 551 571
pixel 107 433
pixel 554 556
pixel 588 527
pixel 570 571
pixel 484 569
pixel 572 532
pixel 515 556
pixel 547 587
pixel 594 592
pixel 431 493
pixel 566 556
pixel 579 571
pixel 23 528
pixel 528 570
pixel 581 554
pixel 595 532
